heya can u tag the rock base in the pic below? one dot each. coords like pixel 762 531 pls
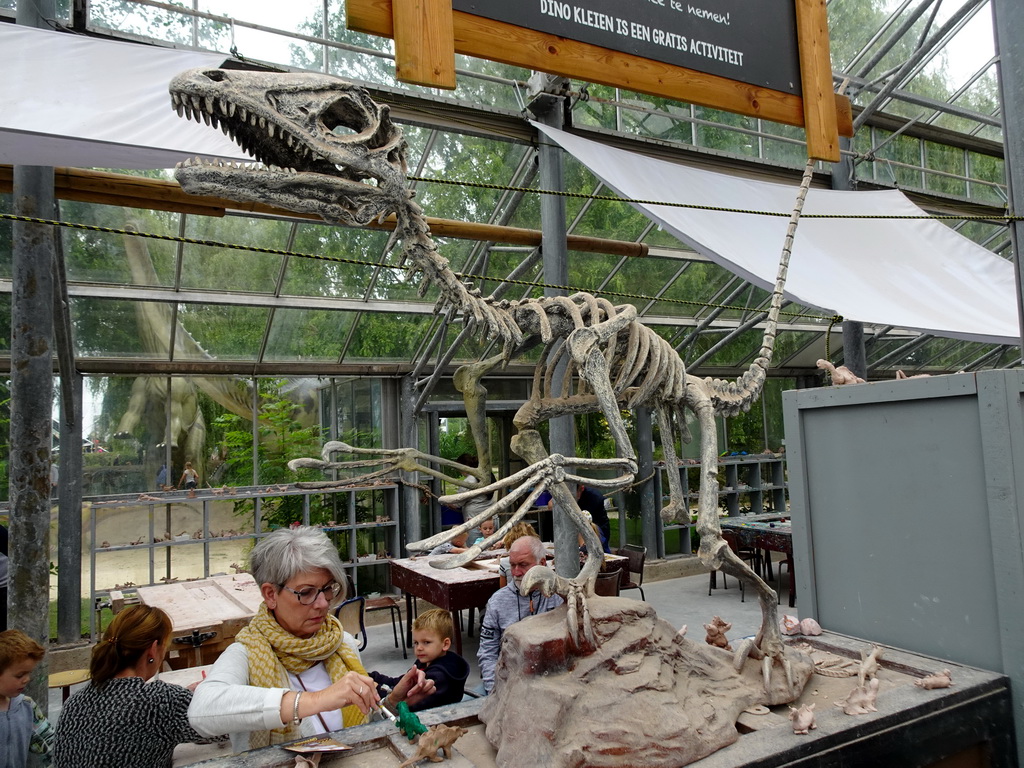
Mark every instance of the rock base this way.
pixel 644 697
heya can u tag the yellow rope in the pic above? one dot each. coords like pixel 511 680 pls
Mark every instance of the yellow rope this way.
pixel 376 265
pixel 751 212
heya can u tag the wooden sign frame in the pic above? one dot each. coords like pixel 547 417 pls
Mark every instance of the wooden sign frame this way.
pixel 428 34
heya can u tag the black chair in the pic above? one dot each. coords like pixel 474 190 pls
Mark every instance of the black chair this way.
pixel 608 583
pixel 751 556
pixel 636 556
pixel 390 603
pixel 366 605
pixel 351 615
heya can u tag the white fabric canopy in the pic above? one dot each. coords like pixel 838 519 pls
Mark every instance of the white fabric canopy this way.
pixel 916 274
pixel 69 100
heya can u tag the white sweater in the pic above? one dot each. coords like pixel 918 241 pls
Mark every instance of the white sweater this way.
pixel 225 702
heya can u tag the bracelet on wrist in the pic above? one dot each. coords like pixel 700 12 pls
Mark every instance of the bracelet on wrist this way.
pixel 295 709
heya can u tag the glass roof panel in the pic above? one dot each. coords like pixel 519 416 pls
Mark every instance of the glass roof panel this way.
pixel 698 285
pixel 226 332
pixel 307 334
pixel 214 268
pixel 316 277
pixel 99 257
pixel 387 337
pixel 732 353
pixel 113 328
pixel 646 277
pixel 464 158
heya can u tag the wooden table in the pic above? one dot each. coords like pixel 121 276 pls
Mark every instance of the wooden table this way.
pixel 221 604
pixel 455 589
pixel 451 590
pixel 771 532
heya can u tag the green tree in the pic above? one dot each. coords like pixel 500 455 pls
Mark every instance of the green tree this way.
pixel 281 439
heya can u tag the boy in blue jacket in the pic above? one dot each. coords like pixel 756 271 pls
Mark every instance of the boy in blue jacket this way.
pixel 432 635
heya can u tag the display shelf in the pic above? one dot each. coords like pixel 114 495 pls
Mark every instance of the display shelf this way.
pixel 149 518
pixel 748 483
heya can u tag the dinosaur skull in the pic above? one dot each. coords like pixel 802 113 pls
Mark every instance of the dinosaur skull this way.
pixel 326 146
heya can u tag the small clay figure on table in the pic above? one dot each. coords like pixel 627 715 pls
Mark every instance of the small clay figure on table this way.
pixel 716 633
pixel 438 737
pixel 802 718
pixel 942 679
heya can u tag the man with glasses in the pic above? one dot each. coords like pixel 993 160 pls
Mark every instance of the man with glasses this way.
pixel 507 605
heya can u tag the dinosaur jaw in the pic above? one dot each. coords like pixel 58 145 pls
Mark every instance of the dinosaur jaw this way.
pixel 323 146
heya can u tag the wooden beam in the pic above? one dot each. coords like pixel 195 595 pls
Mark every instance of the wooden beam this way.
pixel 820 119
pixel 105 188
pixel 425 43
pixel 498 41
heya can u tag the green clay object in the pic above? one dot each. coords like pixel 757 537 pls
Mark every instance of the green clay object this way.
pixel 408 723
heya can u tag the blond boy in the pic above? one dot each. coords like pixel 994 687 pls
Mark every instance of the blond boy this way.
pixel 432 635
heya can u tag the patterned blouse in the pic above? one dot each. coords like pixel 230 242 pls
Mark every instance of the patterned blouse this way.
pixel 128 723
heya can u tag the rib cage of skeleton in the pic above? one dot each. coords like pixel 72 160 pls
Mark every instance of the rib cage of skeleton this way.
pixel 289 123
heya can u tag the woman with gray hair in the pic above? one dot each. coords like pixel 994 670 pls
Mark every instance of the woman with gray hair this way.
pixel 293 671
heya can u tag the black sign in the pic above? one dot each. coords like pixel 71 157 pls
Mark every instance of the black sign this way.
pixel 752 41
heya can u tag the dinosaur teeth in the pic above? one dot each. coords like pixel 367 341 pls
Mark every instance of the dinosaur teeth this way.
pixel 222 105
pixel 232 108
pixel 206 118
pixel 208 103
pixel 179 108
pixel 270 130
pixel 196 103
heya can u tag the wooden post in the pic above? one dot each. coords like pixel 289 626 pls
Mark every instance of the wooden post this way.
pixel 424 42
pixel 820 121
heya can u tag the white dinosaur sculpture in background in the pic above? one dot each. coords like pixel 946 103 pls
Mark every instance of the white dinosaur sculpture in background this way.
pixel 327 148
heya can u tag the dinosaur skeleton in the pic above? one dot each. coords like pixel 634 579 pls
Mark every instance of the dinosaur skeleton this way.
pixel 325 147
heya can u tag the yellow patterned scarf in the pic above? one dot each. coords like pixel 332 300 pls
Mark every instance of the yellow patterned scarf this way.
pixel 272 650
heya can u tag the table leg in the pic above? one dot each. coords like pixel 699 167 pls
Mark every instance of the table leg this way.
pixel 408 619
pixel 457 616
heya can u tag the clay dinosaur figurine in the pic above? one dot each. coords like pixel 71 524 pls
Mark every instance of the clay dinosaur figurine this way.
pixel 869 664
pixel 716 633
pixel 839 375
pixel 942 679
pixel 861 699
pixel 437 737
pixel 802 718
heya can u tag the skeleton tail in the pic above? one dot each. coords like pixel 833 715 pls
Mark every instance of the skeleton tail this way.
pixel 733 397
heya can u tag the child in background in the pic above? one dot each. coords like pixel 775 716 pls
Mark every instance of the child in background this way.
pixel 486 530
pixel 24 728
pixel 432 635
pixel 453 547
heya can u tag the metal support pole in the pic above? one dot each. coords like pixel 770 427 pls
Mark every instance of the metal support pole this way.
pixel 649 508
pixel 854 354
pixel 31 435
pixel 548 109
pixel 69 490
pixel 1008 20
pixel 409 430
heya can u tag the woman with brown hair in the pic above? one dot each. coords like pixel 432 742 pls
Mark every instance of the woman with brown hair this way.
pixel 119 720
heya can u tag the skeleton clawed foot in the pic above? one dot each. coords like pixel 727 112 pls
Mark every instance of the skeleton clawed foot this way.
pixel 574 591
pixel 769 652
